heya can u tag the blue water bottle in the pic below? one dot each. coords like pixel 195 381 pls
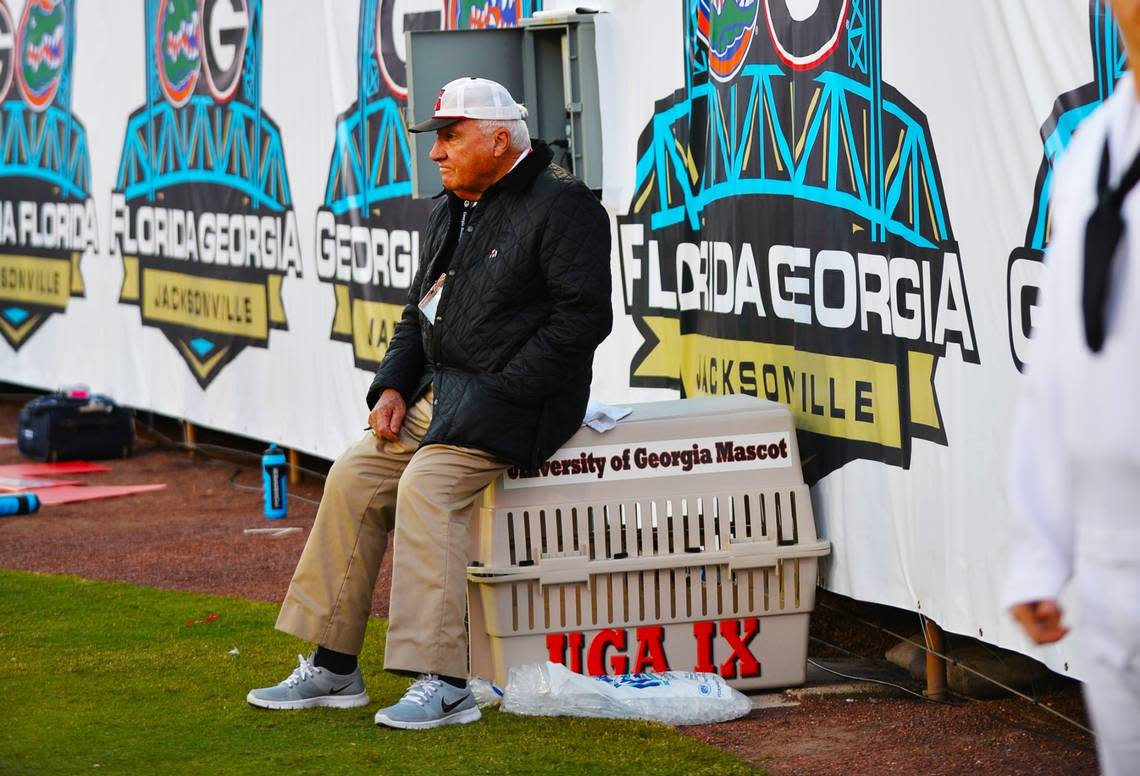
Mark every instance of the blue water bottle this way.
pixel 273 482
pixel 18 504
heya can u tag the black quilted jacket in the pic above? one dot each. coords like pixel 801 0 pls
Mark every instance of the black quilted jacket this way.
pixel 526 302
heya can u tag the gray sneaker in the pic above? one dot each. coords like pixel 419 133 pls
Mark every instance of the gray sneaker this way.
pixel 428 703
pixel 310 686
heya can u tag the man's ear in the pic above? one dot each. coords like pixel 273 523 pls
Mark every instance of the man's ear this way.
pixel 502 140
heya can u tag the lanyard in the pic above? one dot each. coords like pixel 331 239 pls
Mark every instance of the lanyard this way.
pixel 464 215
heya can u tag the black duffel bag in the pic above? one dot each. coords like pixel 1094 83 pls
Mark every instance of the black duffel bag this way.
pixel 74 424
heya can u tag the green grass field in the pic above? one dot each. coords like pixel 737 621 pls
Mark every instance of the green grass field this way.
pixel 98 677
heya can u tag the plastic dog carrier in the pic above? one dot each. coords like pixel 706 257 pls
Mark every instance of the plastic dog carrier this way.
pixel 682 539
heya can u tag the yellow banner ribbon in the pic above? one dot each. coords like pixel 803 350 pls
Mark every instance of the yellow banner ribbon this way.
pixel 35 280
pixel 129 290
pixel 369 325
pixel 207 304
pixel 838 396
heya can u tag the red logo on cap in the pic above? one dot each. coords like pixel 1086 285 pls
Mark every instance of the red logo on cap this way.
pixel 439 100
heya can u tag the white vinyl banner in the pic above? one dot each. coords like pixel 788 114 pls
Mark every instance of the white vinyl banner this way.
pixel 840 205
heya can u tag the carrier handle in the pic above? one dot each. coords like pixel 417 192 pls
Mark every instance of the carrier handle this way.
pixel 577 569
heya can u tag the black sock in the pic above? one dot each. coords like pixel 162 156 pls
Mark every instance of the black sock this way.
pixel 337 662
pixel 456 682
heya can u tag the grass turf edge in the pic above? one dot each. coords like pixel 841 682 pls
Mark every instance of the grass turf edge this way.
pixel 115 678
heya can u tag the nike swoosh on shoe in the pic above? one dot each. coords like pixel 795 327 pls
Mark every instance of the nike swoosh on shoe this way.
pixel 450 707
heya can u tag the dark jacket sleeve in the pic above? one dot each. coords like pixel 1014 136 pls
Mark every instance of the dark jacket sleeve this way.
pixel 575 261
pixel 403 362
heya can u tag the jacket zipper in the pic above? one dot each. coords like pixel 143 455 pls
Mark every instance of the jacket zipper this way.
pixel 456 262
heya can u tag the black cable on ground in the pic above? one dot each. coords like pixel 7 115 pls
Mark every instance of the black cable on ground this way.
pixel 969 700
pixel 963 666
pixel 248 453
pixel 231 482
pixel 198 446
pixel 884 682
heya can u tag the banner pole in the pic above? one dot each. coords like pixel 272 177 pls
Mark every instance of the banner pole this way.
pixel 188 436
pixel 294 469
pixel 935 664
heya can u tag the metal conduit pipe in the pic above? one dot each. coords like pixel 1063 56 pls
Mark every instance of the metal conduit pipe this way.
pixel 935 666
pixel 188 436
pixel 294 467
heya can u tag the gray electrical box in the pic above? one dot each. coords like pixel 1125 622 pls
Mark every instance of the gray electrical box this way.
pixel 549 64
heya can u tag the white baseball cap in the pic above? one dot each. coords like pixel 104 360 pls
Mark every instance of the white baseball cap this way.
pixel 471 98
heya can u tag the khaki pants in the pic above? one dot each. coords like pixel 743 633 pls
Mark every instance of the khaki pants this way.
pixel 426 495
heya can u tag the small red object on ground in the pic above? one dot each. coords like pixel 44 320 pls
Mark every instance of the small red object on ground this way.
pixel 68 494
pixel 27 483
pixel 38 469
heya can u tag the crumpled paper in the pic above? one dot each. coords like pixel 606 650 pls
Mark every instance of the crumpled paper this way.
pixel 603 417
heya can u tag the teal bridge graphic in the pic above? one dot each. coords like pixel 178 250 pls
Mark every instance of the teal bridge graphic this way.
pixel 49 146
pixel 232 144
pixel 1110 61
pixel 372 160
pixel 893 186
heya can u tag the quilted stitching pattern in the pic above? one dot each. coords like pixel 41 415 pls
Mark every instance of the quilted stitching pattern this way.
pixel 526 303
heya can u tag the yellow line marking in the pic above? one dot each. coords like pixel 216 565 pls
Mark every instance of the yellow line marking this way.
pixel 930 209
pixel 894 161
pixel 850 161
pixel 772 134
pixel 807 123
pixel 645 194
pixel 826 143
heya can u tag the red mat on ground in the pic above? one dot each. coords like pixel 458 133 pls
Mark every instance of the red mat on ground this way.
pixel 43 469
pixel 71 493
pixel 29 483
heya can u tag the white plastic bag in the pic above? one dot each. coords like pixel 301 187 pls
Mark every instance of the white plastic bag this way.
pixel 674 697
pixel 486 693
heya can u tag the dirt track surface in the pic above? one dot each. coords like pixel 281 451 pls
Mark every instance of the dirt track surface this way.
pixel 190 537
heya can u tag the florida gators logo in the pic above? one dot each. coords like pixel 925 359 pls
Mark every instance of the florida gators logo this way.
pixel 40 49
pixel 178 49
pixel 727 28
pixel 482 14
pixel 805 32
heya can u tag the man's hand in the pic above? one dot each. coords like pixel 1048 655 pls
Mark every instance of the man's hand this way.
pixel 387 416
pixel 1041 620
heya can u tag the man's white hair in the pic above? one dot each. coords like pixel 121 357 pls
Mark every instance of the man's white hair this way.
pixel 520 135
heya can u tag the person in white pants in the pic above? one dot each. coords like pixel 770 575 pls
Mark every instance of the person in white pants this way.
pixel 1075 467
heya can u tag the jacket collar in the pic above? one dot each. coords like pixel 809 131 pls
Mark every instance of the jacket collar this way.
pixel 528 169
pixel 522 175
